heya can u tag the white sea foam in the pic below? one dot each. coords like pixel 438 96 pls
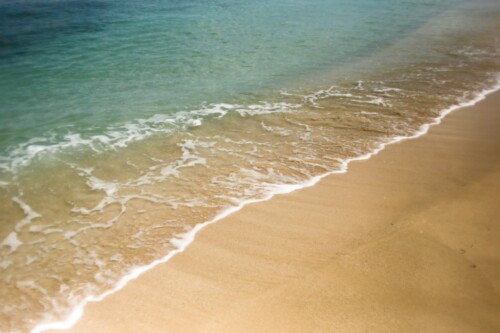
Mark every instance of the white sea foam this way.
pixel 182 240
pixel 121 135
pixel 378 101
pixel 333 91
pixel 30 214
pixel 367 113
pixel 11 241
pixel 274 129
pixel 386 89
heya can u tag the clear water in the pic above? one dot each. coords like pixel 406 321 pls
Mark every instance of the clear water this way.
pixel 80 66
pixel 124 124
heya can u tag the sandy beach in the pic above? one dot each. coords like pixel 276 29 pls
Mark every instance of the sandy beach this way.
pixel 407 241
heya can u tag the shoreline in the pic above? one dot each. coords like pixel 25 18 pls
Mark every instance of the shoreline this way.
pixel 104 314
pixel 182 241
pixel 92 209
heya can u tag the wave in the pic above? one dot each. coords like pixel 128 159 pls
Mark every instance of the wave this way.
pixel 121 135
pixel 182 240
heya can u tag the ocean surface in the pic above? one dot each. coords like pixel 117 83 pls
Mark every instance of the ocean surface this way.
pixel 125 126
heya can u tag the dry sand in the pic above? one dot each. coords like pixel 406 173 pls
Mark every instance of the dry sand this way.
pixel 408 241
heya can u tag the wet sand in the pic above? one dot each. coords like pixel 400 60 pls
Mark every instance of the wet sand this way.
pixel 407 241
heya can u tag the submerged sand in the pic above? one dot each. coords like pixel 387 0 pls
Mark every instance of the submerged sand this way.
pixel 408 241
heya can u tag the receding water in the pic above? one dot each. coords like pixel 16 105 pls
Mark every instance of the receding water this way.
pixel 124 124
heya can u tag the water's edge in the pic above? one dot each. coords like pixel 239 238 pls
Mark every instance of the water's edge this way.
pixel 182 241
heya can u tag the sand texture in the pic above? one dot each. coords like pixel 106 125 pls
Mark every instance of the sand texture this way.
pixel 407 241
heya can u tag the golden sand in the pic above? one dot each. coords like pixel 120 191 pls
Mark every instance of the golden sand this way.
pixel 408 241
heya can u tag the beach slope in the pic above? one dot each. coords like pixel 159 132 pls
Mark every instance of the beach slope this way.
pixel 407 241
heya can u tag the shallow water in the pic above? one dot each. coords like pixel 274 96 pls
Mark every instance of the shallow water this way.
pixel 124 125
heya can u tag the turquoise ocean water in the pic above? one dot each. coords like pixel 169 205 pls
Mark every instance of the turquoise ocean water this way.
pixel 80 66
pixel 124 124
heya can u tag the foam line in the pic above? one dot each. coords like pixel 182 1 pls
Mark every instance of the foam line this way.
pixel 182 241
pixel 121 135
